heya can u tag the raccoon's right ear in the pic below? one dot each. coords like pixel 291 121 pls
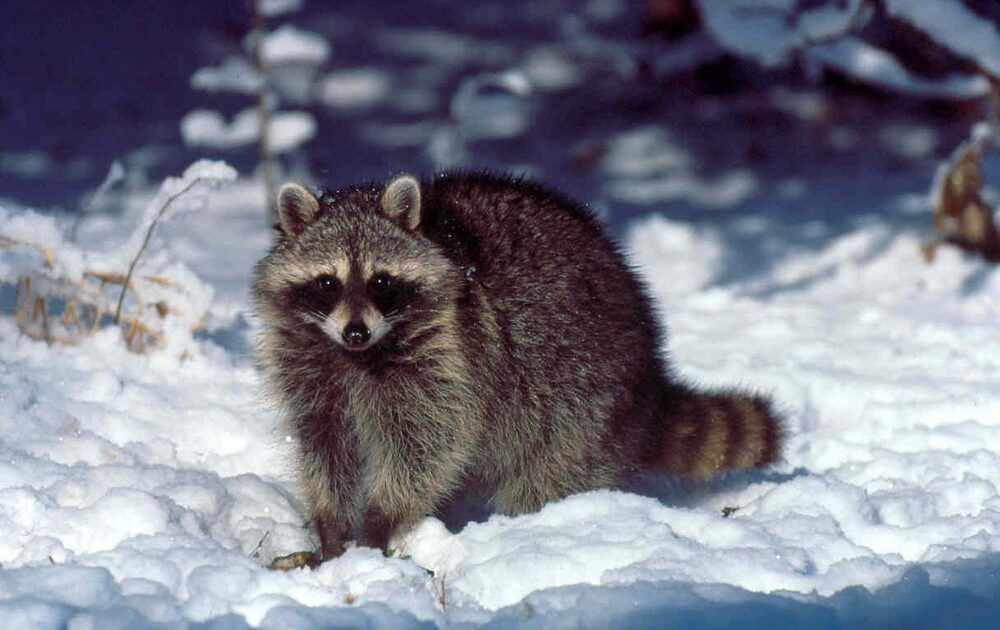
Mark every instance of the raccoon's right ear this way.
pixel 297 208
pixel 401 201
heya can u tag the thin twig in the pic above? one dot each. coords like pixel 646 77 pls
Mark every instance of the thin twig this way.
pixel 994 83
pixel 256 550
pixel 442 596
pixel 145 242
pixel 22 299
pixel 115 174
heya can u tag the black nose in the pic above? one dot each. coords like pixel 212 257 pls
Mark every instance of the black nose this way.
pixel 356 335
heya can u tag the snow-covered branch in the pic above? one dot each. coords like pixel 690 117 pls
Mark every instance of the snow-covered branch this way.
pixel 828 33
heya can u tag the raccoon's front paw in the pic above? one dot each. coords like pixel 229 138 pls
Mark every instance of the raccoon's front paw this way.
pixel 376 528
pixel 295 560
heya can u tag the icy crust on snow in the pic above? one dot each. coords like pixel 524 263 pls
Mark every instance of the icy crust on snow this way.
pixel 154 489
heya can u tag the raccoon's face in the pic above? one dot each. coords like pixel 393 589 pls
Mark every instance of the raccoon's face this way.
pixel 352 271
pixel 355 305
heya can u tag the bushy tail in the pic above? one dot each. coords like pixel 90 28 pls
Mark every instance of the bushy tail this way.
pixel 704 434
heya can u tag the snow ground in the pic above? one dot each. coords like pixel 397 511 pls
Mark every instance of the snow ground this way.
pixel 143 490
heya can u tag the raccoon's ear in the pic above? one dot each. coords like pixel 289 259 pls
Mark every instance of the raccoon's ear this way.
pixel 297 208
pixel 401 201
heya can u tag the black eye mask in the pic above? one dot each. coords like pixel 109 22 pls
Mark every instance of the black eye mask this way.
pixel 389 294
pixel 316 296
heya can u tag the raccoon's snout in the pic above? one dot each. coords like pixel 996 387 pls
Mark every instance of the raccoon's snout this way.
pixel 356 336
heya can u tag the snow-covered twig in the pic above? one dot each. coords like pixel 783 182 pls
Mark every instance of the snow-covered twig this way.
pixel 145 242
pixel 115 174
pixel 7 242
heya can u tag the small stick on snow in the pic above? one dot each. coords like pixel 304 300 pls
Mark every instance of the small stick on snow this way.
pixel 256 550
pixel 442 599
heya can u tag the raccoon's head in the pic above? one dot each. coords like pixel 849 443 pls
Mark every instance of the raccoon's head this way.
pixel 352 269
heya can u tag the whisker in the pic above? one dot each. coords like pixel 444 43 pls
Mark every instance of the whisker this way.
pixel 421 311
pixel 317 315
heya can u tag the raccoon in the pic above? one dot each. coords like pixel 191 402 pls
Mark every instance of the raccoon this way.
pixel 473 329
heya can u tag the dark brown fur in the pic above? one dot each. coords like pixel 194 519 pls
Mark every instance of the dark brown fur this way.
pixel 527 359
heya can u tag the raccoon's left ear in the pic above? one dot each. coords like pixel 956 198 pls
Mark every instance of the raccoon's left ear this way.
pixel 297 208
pixel 401 201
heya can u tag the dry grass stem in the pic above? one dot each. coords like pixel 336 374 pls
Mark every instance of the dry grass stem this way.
pixel 126 283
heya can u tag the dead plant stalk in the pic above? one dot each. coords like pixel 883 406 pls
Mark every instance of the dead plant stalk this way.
pixel 149 234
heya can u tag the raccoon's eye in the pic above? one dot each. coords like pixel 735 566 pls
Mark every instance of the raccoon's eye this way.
pixel 382 282
pixel 327 284
pixel 389 294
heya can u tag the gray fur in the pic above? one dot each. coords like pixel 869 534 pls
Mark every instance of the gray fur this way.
pixel 528 361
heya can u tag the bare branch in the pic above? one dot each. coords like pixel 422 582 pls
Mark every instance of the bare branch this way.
pixel 263 111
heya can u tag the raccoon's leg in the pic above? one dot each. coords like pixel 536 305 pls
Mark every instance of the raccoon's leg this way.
pixel 377 527
pixel 541 478
pixel 331 523
pixel 702 434
pixel 421 459
pixel 408 489
pixel 329 473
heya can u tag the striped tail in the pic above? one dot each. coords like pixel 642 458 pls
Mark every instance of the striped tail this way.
pixel 705 434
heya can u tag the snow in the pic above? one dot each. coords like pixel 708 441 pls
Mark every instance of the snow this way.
pixel 647 167
pixel 491 105
pixel 356 87
pixel 955 27
pixel 181 195
pixel 909 142
pixel 442 46
pixel 209 128
pixel 288 44
pixel 873 65
pixel 153 488
pixel 25 164
pixel 272 8
pixel 287 129
pixel 768 30
pixel 235 74
pixel 549 69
